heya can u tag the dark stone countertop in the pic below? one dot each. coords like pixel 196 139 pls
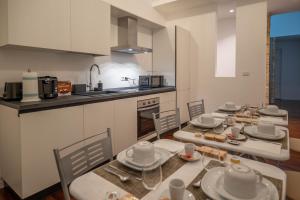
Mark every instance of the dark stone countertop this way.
pixel 76 100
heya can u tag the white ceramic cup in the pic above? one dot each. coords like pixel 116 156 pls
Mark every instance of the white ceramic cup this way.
pixel 176 188
pixel 230 105
pixel 266 128
pixel 142 153
pixel 189 149
pixel 230 120
pixel 240 181
pixel 207 119
pixel 235 131
pixel 272 108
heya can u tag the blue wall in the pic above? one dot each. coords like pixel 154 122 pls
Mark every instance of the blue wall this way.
pixel 285 24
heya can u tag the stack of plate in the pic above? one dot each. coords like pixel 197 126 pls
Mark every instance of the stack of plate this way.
pixel 161 155
pixel 253 131
pixel 212 185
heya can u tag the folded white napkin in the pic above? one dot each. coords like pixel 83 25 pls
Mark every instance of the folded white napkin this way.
pixel 263 146
pixel 169 145
pixel 274 120
pixel 93 187
pixel 219 115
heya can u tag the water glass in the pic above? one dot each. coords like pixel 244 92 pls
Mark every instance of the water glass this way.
pixel 152 176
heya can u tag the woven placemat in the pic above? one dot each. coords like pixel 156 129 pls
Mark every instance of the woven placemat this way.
pixel 133 186
pixel 200 195
pixel 194 129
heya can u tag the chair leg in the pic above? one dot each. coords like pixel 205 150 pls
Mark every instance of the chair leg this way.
pixel 65 191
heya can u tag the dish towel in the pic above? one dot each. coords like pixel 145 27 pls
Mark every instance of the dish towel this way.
pixel 263 146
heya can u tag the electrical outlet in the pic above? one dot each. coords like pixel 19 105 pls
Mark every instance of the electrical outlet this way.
pixel 246 74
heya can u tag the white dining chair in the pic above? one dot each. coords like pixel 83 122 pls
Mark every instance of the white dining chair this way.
pixel 164 122
pixel 79 158
pixel 196 108
pixel 293 177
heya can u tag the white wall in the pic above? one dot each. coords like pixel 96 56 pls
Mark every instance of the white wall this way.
pixel 75 67
pixel 251 32
pixel 226 48
pixel 141 8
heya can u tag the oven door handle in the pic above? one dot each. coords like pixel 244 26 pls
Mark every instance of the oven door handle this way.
pixel 148 108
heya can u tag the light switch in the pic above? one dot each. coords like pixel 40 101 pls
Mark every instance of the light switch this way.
pixel 246 74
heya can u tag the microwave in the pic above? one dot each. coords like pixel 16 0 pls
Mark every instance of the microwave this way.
pixel 150 81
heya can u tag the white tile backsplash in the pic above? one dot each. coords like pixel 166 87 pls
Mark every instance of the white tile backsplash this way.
pixel 73 67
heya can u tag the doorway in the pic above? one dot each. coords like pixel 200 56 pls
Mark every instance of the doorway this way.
pixel 284 74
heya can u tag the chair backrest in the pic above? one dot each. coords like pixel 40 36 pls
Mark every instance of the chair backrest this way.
pixel 196 108
pixel 78 158
pixel 165 121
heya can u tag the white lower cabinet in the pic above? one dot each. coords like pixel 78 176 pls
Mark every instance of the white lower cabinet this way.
pixel 28 163
pixel 98 117
pixel 167 101
pixel 27 140
pixel 125 123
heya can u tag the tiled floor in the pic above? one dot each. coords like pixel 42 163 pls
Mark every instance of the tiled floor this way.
pixel 292 164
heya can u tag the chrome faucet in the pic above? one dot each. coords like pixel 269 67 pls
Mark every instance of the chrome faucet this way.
pixel 90 86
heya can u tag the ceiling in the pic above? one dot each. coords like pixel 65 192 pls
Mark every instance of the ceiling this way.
pixel 170 7
pixel 280 6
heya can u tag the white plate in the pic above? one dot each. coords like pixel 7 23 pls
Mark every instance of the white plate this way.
pixel 131 161
pixel 280 113
pixel 217 123
pixel 210 179
pixel 223 108
pixel 252 131
pixel 264 190
pixel 196 156
pixel 187 195
pixel 165 156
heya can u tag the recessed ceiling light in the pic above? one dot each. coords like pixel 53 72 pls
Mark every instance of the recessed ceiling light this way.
pixel 231 10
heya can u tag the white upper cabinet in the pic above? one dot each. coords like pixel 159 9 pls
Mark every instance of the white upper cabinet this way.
pixel 90 27
pixel 81 26
pixel 36 23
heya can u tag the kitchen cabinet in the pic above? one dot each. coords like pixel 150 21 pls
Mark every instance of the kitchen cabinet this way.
pixel 98 117
pixel 27 144
pixel 125 123
pixel 35 23
pixel 183 71
pixel 90 27
pixel 81 26
pixel 167 101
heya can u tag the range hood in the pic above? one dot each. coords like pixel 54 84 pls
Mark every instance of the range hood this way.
pixel 127 37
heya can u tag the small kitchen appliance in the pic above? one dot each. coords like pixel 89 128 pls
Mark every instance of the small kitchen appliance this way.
pixel 12 91
pixel 30 87
pixel 151 81
pixel 47 87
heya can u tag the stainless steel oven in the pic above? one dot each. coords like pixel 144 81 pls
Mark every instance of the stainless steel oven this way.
pixel 145 122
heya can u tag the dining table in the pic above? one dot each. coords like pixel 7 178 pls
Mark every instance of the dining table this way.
pixel 277 150
pixel 94 185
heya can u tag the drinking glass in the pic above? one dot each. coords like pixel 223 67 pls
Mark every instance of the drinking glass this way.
pixel 152 176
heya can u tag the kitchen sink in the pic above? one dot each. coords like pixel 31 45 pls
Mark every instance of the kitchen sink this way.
pixel 107 92
pixel 94 93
